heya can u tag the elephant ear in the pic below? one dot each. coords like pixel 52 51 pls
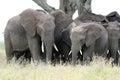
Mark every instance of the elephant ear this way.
pixel 66 34
pixel 66 37
pixel 92 34
pixel 28 20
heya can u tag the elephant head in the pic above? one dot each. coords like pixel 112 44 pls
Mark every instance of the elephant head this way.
pixel 38 26
pixel 85 34
pixel 113 29
pixel 62 21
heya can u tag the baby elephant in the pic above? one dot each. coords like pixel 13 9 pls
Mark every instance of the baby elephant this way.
pixel 88 37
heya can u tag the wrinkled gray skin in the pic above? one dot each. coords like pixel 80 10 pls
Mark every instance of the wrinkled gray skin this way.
pixel 88 37
pixel 16 43
pixel 37 27
pixel 62 21
pixel 113 29
pixel 86 17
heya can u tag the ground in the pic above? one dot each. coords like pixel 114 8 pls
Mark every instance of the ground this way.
pixel 97 70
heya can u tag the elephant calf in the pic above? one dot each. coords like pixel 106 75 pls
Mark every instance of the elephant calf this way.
pixel 88 37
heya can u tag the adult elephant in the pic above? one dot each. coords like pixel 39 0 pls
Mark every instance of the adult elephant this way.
pixel 113 29
pixel 16 43
pixel 113 16
pixel 88 37
pixel 90 17
pixel 62 21
pixel 37 27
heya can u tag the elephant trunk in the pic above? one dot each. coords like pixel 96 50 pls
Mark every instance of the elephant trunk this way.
pixel 75 49
pixel 48 48
pixel 113 45
pixel 113 50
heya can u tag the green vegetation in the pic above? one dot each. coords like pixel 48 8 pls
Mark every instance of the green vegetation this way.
pixel 96 70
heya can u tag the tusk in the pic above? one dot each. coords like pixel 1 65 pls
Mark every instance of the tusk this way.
pixel 81 52
pixel 107 51
pixel 42 47
pixel 55 47
pixel 118 52
pixel 70 52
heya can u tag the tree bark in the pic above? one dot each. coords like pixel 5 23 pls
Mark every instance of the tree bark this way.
pixel 83 6
pixel 44 5
pixel 88 5
pixel 68 6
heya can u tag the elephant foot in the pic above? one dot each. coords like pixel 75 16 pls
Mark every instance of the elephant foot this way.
pixel 36 63
pixel 48 62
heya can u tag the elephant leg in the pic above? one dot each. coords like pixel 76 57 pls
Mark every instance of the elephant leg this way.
pixel 55 56
pixel 116 59
pixel 105 54
pixel 114 55
pixel 60 55
pixel 34 45
pixel 88 53
pixel 80 57
pixel 65 52
pixel 28 56
pixel 8 48
pixel 102 50
pixel 18 55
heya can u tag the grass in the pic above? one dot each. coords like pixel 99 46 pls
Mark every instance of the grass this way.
pixel 96 70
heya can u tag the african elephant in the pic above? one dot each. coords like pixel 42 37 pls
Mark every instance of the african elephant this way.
pixel 88 37
pixel 89 17
pixel 15 40
pixel 27 31
pixel 62 21
pixel 113 29
pixel 113 16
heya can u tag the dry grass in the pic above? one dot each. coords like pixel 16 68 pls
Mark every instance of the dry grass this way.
pixel 96 70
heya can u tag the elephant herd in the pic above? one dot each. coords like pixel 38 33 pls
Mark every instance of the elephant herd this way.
pixel 54 37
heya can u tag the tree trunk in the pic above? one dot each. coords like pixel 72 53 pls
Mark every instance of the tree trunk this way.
pixel 83 6
pixel 68 6
pixel 44 5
